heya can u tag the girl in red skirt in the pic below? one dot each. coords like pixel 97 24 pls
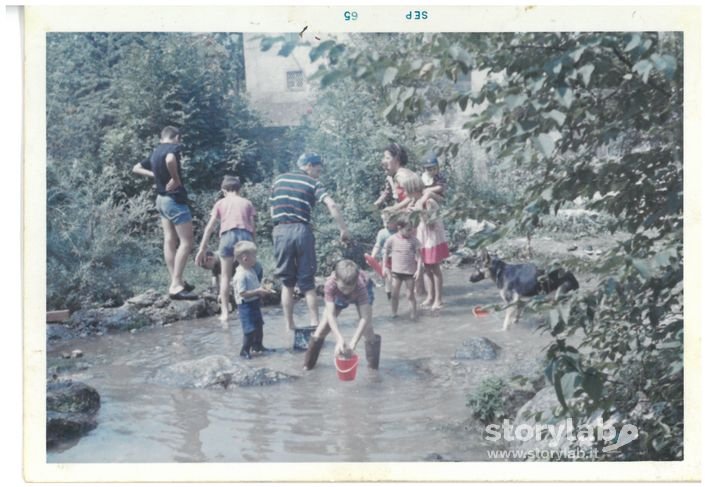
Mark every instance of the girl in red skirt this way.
pixel 431 234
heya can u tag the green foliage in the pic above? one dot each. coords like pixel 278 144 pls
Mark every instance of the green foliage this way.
pixel 110 94
pixel 633 350
pixel 487 402
pixel 108 97
pixel 96 251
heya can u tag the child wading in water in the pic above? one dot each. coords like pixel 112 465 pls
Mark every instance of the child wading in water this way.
pixel 431 234
pixel 248 292
pixel 237 222
pixel 212 263
pixel 390 228
pixel 346 285
pixel 404 250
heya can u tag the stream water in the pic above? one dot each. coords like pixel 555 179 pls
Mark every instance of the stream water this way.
pixel 408 410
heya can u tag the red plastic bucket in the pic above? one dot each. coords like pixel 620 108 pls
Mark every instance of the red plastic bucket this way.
pixel 346 367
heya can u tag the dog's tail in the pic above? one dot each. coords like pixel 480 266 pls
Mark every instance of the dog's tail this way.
pixel 560 280
pixel 568 283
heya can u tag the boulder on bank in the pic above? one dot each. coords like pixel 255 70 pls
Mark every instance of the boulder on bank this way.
pixel 180 310
pixel 71 410
pixel 160 310
pixel 58 332
pixel 569 438
pixel 216 370
pixel 477 348
pixel 146 309
pixel 108 319
pixel 544 402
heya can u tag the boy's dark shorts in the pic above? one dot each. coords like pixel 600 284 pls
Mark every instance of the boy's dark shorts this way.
pixel 295 255
pixel 176 213
pixel 341 303
pixel 402 276
pixel 250 314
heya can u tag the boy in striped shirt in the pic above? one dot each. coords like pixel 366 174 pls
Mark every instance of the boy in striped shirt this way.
pixel 293 198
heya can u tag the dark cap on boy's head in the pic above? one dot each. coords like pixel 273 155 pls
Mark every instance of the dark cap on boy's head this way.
pixel 230 183
pixel 309 158
pixel 430 160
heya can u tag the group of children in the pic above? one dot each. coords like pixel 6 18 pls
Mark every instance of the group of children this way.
pixel 412 243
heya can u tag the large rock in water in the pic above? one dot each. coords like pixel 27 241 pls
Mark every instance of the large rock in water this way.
pixel 71 409
pixel 477 348
pixel 216 370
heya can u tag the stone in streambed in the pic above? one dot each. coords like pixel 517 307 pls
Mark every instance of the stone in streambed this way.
pixel 217 371
pixel 210 371
pixel 477 348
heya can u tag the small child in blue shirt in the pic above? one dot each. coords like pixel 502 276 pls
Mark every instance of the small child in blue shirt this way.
pixel 248 292
pixel 389 229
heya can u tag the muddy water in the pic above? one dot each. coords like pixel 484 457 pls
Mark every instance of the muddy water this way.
pixel 413 407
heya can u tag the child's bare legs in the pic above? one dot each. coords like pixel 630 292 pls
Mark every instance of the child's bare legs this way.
pixel 226 269
pixel 437 279
pixel 431 289
pixel 396 288
pixel 420 285
pixel 323 328
pixel 411 286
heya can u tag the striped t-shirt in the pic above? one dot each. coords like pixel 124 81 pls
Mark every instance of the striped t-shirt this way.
pixel 332 294
pixel 294 195
pixel 403 252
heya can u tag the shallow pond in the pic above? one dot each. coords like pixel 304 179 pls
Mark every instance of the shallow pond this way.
pixel 411 409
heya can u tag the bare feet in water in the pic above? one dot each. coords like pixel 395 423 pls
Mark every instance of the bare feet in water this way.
pixel 223 321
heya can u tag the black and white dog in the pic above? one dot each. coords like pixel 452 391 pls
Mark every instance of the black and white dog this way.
pixel 516 281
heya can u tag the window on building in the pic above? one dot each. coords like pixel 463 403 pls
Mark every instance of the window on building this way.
pixel 294 80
